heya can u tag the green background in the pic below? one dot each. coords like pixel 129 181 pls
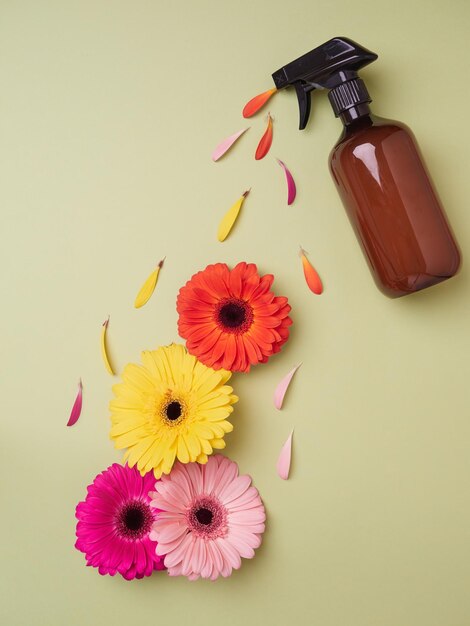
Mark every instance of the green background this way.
pixel 109 112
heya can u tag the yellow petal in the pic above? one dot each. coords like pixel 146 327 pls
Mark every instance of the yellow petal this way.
pixel 206 446
pixel 104 351
pixel 169 460
pixel 182 451
pixel 157 472
pixel 218 400
pixel 203 430
pixel 226 426
pixel 138 377
pixel 122 414
pixel 218 444
pixel 129 395
pixel 194 447
pixel 123 427
pixel 224 375
pixel 162 358
pixel 230 217
pixel 218 430
pixel 215 415
pixel 205 379
pixel 126 440
pixel 151 457
pixel 202 459
pixel 148 287
pixel 137 450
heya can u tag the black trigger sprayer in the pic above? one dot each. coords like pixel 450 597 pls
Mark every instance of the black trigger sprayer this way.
pixel 379 172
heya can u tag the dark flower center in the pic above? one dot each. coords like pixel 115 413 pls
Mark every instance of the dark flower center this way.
pixel 204 516
pixel 134 520
pixel 173 411
pixel 207 517
pixel 234 315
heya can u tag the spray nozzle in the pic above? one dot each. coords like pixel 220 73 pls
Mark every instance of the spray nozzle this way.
pixel 333 65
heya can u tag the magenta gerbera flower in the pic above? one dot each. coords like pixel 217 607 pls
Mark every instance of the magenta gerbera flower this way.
pixel 209 518
pixel 114 523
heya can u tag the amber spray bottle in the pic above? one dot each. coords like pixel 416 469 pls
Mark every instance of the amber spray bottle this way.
pixel 379 172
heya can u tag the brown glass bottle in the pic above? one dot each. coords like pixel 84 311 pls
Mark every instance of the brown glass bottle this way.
pixel 392 204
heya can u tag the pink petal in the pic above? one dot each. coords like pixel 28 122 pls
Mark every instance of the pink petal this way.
pixel 180 476
pixel 168 503
pixel 170 533
pixel 238 542
pixel 216 559
pixel 199 555
pixel 175 570
pixel 77 406
pixel 163 549
pixel 177 555
pixel 227 472
pixel 188 555
pixel 226 144
pixel 254 529
pixel 235 489
pixel 283 462
pixel 208 565
pixel 229 554
pixel 282 387
pixel 248 500
pixel 251 539
pixel 291 189
pixel 210 474
pixel 141 557
pixel 248 517
pixel 175 494
pixel 128 559
pixel 195 477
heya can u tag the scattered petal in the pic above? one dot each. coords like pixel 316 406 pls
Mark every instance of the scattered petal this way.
pixel 311 276
pixel 226 144
pixel 230 218
pixel 77 406
pixel 148 287
pixel 265 141
pixel 282 387
pixel 291 189
pixel 104 352
pixel 256 103
pixel 283 462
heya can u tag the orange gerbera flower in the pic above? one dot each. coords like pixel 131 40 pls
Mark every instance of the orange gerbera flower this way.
pixel 230 318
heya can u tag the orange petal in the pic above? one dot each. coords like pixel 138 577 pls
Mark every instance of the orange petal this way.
pixel 255 104
pixel 265 141
pixel 311 275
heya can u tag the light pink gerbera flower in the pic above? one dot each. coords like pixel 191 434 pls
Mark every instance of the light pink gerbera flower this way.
pixel 209 518
pixel 114 522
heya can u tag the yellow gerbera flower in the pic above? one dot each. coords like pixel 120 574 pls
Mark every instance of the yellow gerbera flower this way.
pixel 170 407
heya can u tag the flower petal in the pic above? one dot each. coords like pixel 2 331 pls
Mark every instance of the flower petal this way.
pixel 282 387
pixel 283 463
